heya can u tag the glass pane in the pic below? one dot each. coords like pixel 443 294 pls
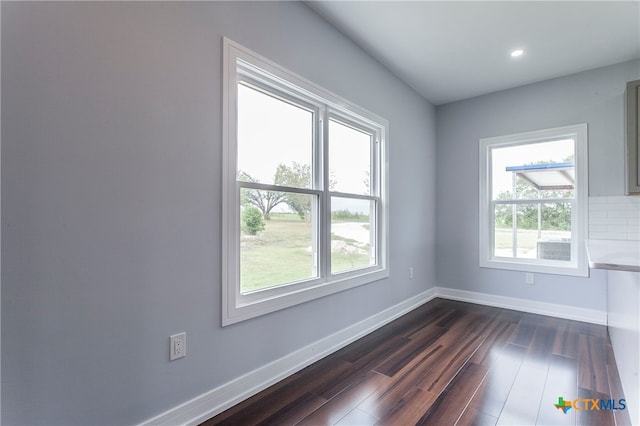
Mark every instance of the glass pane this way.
pixel 542 231
pixel 349 159
pixel 503 239
pixel 275 140
pixel 278 243
pixel 554 241
pixel 352 234
pixel 535 170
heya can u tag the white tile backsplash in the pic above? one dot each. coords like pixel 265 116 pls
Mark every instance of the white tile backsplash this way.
pixel 614 218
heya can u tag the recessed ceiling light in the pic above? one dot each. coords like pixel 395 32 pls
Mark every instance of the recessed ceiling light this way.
pixel 516 53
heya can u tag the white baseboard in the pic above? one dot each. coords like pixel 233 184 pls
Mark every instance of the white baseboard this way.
pixel 227 395
pixel 551 309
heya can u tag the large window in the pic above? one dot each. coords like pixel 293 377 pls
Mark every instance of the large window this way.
pixel 533 201
pixel 304 190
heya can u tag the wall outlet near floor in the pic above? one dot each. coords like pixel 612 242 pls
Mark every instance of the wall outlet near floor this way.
pixel 529 278
pixel 411 272
pixel 177 346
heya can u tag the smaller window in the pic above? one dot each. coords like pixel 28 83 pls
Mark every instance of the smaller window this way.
pixel 533 201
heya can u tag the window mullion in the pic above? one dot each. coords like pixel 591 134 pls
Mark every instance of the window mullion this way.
pixel 373 186
pixel 533 201
pixel 279 188
pixel 325 204
pixel 355 196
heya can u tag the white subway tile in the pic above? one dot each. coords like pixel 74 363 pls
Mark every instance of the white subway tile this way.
pixel 597 200
pixel 597 235
pixel 614 217
pixel 597 207
pixel 633 199
pixel 616 235
pixel 597 228
pixel 597 213
pixel 616 207
pixel 623 229
pixel 608 221
pixel 612 199
pixel 608 236
pixel 621 213
pixel 617 199
pixel 598 220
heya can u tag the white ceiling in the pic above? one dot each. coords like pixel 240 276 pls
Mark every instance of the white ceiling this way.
pixel 452 50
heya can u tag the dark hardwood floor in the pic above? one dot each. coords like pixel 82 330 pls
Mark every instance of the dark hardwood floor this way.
pixel 449 363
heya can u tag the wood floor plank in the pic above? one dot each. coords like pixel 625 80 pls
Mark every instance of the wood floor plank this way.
pixel 340 405
pixel 471 417
pixel 382 402
pixel 367 344
pixel 259 406
pixel 524 331
pixel 594 417
pixel 367 362
pixel 587 329
pixel 523 402
pixel 566 341
pixel 409 409
pixel 329 377
pixel 449 362
pixel 429 313
pixel 447 367
pixel 562 381
pixel 542 342
pixel 452 318
pixel 426 333
pixel 592 361
pixel 490 348
pixel 492 394
pixel 357 418
pixel 411 351
pixel 430 318
pixel 461 388
pixel 295 411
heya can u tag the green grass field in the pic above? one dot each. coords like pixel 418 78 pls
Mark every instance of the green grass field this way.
pixel 527 241
pixel 282 254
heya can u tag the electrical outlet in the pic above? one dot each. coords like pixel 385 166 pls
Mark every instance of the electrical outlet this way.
pixel 529 278
pixel 411 272
pixel 177 346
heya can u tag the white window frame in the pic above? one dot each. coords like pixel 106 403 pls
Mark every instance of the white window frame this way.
pixel 241 64
pixel 578 265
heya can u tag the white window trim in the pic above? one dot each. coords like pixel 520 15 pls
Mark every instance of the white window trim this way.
pixel 580 208
pixel 239 307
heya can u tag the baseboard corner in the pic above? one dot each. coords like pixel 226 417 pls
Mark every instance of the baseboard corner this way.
pixel 217 400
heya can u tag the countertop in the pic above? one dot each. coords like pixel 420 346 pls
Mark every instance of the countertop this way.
pixel 617 255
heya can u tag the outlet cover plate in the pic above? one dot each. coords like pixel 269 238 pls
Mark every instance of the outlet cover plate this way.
pixel 529 278
pixel 177 346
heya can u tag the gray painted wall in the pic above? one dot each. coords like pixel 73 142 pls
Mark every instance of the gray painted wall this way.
pixel 111 197
pixel 594 97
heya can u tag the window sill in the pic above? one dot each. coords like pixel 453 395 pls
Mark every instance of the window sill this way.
pixel 235 309
pixel 555 268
